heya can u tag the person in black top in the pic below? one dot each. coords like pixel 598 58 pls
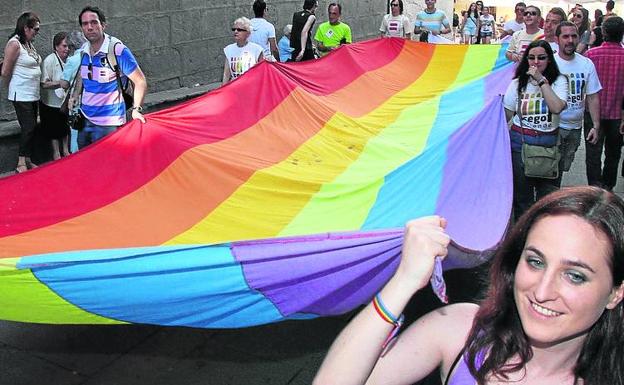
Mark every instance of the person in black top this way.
pixel 301 35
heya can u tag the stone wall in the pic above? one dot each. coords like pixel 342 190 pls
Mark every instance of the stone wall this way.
pixel 178 43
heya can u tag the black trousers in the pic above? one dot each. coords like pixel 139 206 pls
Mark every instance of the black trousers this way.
pixel 27 117
pixel 599 174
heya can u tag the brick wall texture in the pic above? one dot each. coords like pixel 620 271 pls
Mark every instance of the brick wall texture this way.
pixel 178 43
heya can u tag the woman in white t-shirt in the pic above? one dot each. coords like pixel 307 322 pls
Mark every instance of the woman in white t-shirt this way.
pixel 53 121
pixel 487 26
pixel 396 24
pixel 533 101
pixel 241 55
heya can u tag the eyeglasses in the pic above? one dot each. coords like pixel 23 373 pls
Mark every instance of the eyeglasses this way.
pixel 538 57
pixel 577 15
pixel 36 29
pixel 394 4
pixel 531 13
pixel 239 30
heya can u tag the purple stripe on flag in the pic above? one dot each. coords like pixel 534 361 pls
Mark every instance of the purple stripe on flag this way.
pixel 476 197
pixel 325 274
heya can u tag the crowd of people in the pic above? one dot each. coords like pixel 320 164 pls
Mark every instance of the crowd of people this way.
pixel 83 80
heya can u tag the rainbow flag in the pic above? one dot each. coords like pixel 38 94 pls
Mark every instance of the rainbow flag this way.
pixel 279 196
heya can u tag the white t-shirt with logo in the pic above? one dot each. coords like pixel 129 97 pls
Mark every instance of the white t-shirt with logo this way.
pixel 395 26
pixel 582 80
pixel 521 39
pixel 534 110
pixel 241 59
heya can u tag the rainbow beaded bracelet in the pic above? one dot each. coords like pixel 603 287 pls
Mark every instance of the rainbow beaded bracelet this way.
pixel 390 318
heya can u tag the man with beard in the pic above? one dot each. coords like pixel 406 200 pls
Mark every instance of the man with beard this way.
pixel 583 88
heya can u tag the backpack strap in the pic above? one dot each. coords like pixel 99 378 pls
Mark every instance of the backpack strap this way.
pixel 111 57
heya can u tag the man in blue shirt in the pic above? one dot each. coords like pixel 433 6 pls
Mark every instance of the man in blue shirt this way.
pixel 102 101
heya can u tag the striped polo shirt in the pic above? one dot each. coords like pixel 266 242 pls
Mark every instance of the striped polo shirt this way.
pixel 432 21
pixel 102 102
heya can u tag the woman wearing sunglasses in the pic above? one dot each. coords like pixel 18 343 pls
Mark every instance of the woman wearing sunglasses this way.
pixel 241 55
pixel 533 101
pixel 21 72
pixel 580 18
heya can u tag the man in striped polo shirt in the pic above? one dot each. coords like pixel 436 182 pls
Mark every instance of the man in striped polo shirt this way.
pixel 432 20
pixel 102 100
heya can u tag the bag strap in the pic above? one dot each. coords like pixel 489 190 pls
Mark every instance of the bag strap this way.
pixel 519 113
pixel 59 61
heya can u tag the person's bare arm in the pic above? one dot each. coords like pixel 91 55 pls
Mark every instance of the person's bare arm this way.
pixel 140 89
pixel 11 52
pixel 226 73
pixel 304 36
pixel 593 105
pixel 273 47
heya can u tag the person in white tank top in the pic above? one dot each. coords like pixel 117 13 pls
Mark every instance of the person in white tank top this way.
pixel 21 72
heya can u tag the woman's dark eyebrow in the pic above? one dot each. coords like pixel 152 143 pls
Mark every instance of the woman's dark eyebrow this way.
pixel 567 262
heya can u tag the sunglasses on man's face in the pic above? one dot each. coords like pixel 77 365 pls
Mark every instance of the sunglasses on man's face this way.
pixel 530 13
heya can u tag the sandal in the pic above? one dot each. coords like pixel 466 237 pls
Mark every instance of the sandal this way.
pixel 21 168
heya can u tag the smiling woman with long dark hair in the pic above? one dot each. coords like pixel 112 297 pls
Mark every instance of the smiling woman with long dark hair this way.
pixel 553 313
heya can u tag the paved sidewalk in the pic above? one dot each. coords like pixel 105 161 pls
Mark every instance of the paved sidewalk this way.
pixel 278 354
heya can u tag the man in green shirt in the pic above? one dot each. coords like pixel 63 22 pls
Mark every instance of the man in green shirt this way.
pixel 333 33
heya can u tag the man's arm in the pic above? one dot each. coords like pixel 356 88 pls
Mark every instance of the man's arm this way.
pixel 273 47
pixel 593 105
pixel 140 88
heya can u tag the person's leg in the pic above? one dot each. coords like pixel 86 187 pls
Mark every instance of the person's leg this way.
pixel 613 148
pixel 593 155
pixel 101 131
pixel 27 118
pixel 544 187
pixel 523 190
pixel 569 141
pixel 65 145
pixel 56 151
pixel 83 139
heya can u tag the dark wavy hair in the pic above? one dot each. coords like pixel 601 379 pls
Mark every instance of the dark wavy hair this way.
pixel 58 39
pixel 497 329
pixel 585 24
pixel 552 70
pixel 26 19
pixel 475 13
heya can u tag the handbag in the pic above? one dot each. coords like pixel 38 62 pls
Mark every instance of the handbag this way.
pixel 539 161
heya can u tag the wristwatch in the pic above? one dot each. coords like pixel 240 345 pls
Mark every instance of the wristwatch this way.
pixel 138 108
pixel 542 82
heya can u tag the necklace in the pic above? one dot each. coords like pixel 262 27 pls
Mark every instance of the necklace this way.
pixel 32 52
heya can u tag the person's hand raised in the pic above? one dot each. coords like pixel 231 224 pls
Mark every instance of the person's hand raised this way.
pixel 424 240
